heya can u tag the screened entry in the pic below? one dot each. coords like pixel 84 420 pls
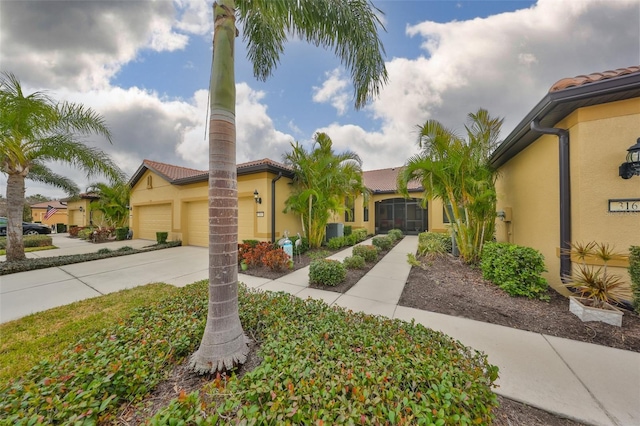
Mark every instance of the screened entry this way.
pixel 400 213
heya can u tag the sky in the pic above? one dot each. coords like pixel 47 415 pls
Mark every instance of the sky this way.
pixel 145 66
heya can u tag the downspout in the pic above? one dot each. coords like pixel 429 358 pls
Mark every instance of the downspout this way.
pixel 565 195
pixel 273 206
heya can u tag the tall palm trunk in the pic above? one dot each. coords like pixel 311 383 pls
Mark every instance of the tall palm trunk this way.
pixel 15 209
pixel 224 344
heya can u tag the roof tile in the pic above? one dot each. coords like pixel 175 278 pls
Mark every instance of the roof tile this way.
pixel 581 80
pixel 384 180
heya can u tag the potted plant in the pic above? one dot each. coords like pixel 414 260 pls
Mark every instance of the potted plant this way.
pixel 243 265
pixel 598 290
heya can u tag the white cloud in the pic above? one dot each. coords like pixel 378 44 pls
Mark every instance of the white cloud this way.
pixel 334 90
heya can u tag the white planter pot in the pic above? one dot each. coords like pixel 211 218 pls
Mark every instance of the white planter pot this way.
pixel 610 315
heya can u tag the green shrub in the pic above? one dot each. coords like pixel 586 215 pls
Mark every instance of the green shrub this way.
pixel 351 240
pixel 318 254
pixel 250 243
pixel 395 234
pixel 348 230
pixel 383 243
pixel 30 241
pixel 368 252
pixel 327 272
pixel 354 262
pixel 125 249
pixel 336 243
pixel 515 269
pixel 276 260
pixel 85 233
pixel 104 251
pixel 161 237
pixel 361 234
pixel 433 243
pixel 121 233
pixel 634 273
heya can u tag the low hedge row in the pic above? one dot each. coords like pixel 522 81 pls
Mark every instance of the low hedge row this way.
pixel 49 262
pixel 320 365
pixel 30 241
pixel 634 273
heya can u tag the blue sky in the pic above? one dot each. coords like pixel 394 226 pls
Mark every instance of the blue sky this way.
pixel 145 66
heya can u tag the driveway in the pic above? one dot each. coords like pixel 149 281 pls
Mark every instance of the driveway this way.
pixel 33 291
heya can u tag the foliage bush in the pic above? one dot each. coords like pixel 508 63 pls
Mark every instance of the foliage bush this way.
pixel 368 252
pixel 515 269
pixel 320 365
pixel 73 230
pixel 161 237
pixel 85 233
pixel 49 262
pixel 433 243
pixel 336 243
pixel 395 234
pixel 276 260
pixel 253 256
pixel 361 234
pixel 303 247
pixel 318 254
pixel 382 242
pixel 354 262
pixel 348 230
pixel 351 240
pixel 104 251
pixel 121 233
pixel 30 241
pixel 634 273
pixel 327 272
pixel 251 243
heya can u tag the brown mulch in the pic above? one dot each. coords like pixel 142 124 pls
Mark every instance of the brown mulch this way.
pixel 450 287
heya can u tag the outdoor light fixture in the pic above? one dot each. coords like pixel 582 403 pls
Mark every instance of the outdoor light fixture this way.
pixel 81 209
pixel 256 197
pixel 632 165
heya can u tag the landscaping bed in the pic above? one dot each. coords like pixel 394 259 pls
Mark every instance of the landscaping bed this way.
pixel 450 287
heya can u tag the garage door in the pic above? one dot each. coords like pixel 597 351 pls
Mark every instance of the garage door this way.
pixel 75 218
pixel 198 223
pixel 246 219
pixel 152 219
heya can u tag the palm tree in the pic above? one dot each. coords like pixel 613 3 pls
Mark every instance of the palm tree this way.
pixel 322 181
pixel 350 28
pixel 35 129
pixel 113 202
pixel 458 172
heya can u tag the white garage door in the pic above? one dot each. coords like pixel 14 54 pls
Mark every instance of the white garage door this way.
pixel 152 219
pixel 198 223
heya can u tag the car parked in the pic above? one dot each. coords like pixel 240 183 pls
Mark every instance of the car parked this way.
pixel 27 228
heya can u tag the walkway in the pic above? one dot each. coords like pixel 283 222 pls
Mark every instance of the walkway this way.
pixel 589 383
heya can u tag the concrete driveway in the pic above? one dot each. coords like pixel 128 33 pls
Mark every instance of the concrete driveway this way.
pixel 27 292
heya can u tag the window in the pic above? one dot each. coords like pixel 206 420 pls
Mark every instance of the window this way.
pixel 149 182
pixel 350 212
pixel 365 213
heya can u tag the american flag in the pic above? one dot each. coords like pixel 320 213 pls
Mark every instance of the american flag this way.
pixel 50 212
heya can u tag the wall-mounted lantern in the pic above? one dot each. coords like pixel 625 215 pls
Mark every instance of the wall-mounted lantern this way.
pixel 81 209
pixel 256 196
pixel 632 165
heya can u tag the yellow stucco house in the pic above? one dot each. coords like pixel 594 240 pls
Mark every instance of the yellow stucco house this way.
pixel 39 213
pixel 169 198
pixel 80 213
pixel 559 177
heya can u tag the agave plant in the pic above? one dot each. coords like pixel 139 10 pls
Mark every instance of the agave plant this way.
pixel 596 283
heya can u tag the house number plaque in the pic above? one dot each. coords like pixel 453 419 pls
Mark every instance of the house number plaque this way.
pixel 625 205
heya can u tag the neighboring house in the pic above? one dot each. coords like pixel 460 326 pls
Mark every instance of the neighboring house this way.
pixel 57 213
pixel 79 211
pixel 553 196
pixel 174 199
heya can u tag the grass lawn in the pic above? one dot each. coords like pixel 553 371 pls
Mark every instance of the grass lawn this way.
pixel 46 334
pixel 29 249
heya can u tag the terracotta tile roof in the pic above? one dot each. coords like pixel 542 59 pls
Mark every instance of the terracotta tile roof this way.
pixel 171 172
pixel 55 204
pixel 384 180
pixel 580 80
pixel 264 161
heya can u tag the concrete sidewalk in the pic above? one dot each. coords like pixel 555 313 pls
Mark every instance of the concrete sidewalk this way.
pixel 589 383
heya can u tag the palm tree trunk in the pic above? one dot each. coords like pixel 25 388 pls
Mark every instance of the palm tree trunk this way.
pixel 224 344
pixel 15 209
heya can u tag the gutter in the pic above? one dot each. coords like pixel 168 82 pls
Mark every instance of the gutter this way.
pixel 273 206
pixel 565 195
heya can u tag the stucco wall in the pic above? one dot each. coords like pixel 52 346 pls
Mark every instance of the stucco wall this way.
pixel 528 185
